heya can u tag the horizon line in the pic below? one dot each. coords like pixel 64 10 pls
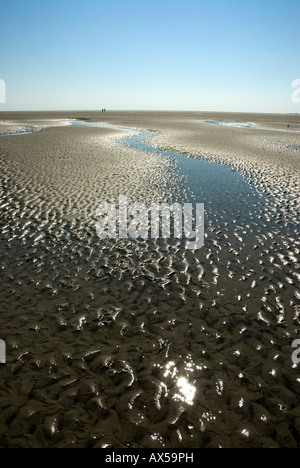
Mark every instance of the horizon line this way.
pixel 151 110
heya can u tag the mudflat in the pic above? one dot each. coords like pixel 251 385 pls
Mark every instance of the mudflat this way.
pixel 142 343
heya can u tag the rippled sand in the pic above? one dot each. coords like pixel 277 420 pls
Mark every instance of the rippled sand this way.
pixel 143 343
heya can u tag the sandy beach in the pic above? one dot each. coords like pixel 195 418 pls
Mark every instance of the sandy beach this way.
pixel 123 343
pixel 272 157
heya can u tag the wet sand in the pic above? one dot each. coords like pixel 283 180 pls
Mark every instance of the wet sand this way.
pixel 143 343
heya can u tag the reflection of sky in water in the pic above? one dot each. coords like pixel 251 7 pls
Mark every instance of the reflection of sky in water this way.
pixel 249 125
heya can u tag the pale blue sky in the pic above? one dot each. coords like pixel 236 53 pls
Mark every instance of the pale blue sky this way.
pixel 228 55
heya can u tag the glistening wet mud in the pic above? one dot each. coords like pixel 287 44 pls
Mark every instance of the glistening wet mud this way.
pixel 123 343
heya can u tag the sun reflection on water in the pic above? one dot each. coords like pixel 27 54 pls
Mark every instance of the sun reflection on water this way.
pixel 187 391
